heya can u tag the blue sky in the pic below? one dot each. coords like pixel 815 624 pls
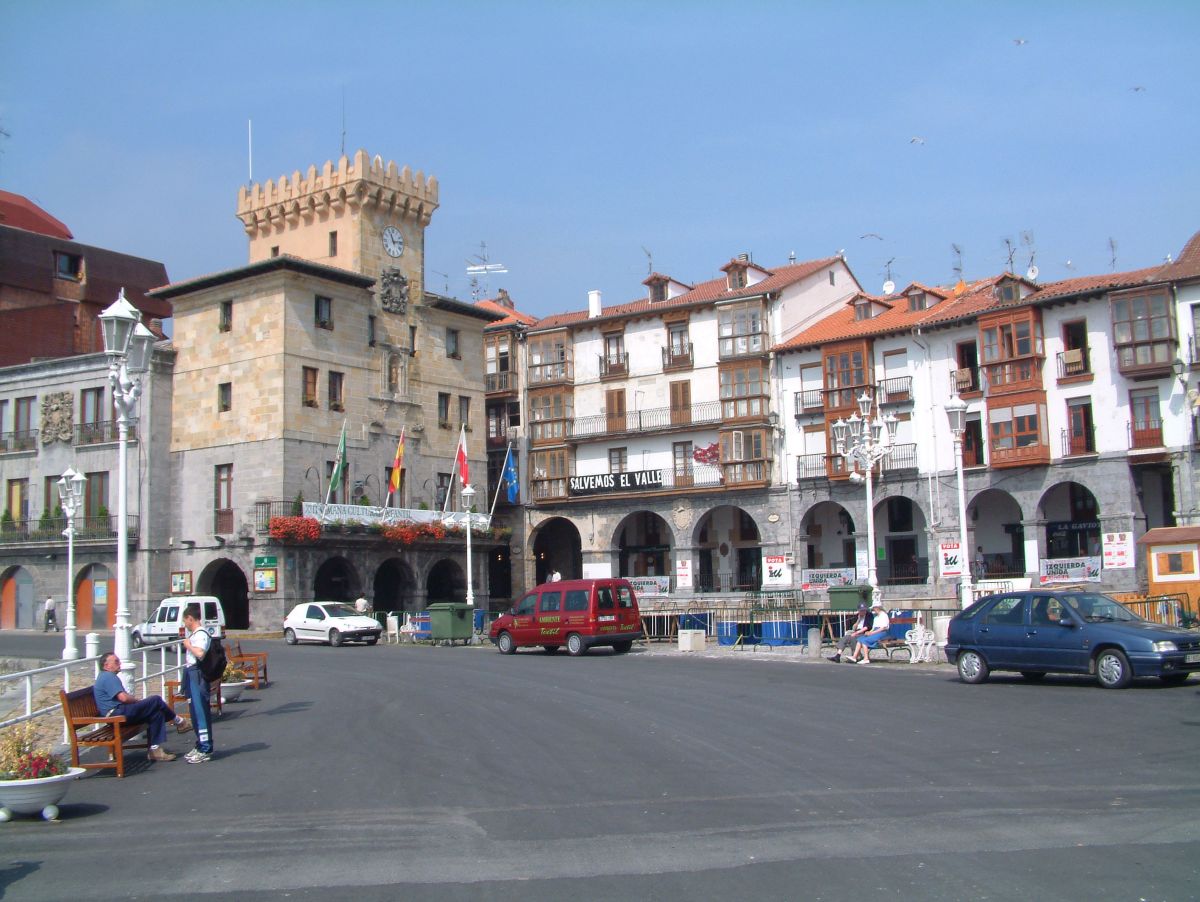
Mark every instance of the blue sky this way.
pixel 569 136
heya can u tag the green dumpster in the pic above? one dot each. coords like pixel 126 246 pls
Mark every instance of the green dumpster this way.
pixel 451 620
pixel 847 598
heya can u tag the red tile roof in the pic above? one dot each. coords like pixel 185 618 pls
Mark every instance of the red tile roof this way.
pixel 509 316
pixel 1186 266
pixel 1092 284
pixel 898 318
pixel 22 213
pixel 704 292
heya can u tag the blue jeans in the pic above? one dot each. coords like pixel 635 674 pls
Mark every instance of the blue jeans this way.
pixel 153 712
pixel 197 690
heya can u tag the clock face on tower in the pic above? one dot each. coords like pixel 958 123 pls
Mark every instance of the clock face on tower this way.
pixel 393 241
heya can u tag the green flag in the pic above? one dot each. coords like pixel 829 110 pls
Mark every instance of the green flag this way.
pixel 339 465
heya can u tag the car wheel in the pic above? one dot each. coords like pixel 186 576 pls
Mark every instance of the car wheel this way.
pixel 623 646
pixel 1033 676
pixel 136 639
pixel 551 649
pixel 289 636
pixel 1112 669
pixel 1173 679
pixel 505 643
pixel 575 646
pixel 335 638
pixel 972 668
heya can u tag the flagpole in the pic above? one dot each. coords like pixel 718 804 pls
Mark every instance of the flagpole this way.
pixel 338 464
pixel 500 484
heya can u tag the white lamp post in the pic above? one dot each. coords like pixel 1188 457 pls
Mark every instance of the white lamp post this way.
pixel 70 496
pixel 865 441
pixel 956 413
pixel 468 494
pixel 128 345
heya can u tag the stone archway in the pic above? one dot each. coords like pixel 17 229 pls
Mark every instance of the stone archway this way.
pixel 17 608
pixel 728 551
pixel 829 531
pixel 644 543
pixel 95 598
pixel 394 587
pixel 557 545
pixel 995 518
pixel 1072 517
pixel 336 580
pixel 447 581
pixel 225 580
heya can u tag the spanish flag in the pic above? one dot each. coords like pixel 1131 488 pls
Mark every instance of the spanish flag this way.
pixel 397 467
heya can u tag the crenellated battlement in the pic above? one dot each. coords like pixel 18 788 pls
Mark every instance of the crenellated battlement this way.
pixel 361 182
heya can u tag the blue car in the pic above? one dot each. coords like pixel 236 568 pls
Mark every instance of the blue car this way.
pixel 1068 631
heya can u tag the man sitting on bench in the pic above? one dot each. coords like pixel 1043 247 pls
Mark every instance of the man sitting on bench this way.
pixel 878 632
pixel 112 700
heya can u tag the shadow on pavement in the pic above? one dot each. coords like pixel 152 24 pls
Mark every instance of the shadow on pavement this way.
pixel 17 870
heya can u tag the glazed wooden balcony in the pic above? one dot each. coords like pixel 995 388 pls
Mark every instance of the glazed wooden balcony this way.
pixel 658 419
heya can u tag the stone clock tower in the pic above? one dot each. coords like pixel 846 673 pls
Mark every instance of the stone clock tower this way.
pixel 364 215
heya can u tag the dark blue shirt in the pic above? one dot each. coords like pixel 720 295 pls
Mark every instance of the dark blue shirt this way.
pixel 108 687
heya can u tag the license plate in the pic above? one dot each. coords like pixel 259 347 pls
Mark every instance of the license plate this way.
pixel 1192 659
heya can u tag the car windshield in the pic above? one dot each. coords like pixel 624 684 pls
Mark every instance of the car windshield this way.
pixel 1096 608
pixel 340 610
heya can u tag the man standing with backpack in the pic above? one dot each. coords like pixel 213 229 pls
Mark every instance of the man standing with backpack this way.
pixel 199 645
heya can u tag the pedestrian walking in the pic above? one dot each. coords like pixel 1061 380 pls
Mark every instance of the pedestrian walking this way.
pixel 51 620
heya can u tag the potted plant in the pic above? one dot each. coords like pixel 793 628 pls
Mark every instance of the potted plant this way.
pixel 233 683
pixel 32 778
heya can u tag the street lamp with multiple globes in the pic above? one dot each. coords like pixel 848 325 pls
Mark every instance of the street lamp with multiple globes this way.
pixel 956 413
pixel 864 441
pixel 129 346
pixel 468 495
pixel 70 496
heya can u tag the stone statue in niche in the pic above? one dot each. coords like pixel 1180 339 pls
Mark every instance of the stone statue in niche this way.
pixel 58 417
pixel 393 290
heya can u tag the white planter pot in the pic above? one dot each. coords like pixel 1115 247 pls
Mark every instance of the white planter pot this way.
pixel 33 796
pixel 231 692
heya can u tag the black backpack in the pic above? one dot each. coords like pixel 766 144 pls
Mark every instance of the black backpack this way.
pixel 212 665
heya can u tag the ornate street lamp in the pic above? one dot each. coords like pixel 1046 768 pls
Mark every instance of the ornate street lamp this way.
pixel 128 345
pixel 864 441
pixel 70 496
pixel 956 413
pixel 468 495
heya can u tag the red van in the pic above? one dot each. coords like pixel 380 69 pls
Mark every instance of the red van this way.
pixel 577 613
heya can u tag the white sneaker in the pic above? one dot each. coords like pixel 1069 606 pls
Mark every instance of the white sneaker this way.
pixel 197 757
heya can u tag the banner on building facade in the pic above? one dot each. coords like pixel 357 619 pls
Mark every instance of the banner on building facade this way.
pixel 950 559
pixel 683 574
pixel 1119 551
pixel 777 573
pixel 602 483
pixel 649 586
pixel 1069 570
pixel 823 579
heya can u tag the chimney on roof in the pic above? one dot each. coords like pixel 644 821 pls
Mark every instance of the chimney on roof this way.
pixel 504 300
pixel 743 258
pixel 594 306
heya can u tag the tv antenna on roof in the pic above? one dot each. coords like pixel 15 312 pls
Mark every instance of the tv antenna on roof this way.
pixel 649 261
pixel 479 266
pixel 1011 252
pixel 445 290
pixel 888 286
pixel 958 264
pixel 1031 271
pixel 1112 250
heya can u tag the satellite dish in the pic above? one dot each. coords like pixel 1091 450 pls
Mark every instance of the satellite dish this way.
pixel 889 286
pixel 1032 273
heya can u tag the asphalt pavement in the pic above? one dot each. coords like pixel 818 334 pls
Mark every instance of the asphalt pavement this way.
pixel 457 773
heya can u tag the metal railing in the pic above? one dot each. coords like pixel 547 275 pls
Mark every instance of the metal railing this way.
pixel 551 373
pixel 895 390
pixel 1073 444
pixel 902 458
pixel 22 440
pixel 646 420
pixel 1145 434
pixel 500 382
pixel 614 364
pixel 810 400
pixel 677 358
pixel 58 675
pixel 1073 362
pixel 966 379
pixel 86 529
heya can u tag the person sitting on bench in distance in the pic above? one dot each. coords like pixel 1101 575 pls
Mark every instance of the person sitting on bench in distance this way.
pixel 861 626
pixel 880 624
pixel 112 700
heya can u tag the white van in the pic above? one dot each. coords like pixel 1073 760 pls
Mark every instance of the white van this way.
pixel 166 623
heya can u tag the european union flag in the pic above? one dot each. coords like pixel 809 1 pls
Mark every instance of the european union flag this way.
pixel 511 483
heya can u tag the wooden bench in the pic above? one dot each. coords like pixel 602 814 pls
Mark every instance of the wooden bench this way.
pixel 252 663
pixel 112 733
pixel 177 700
